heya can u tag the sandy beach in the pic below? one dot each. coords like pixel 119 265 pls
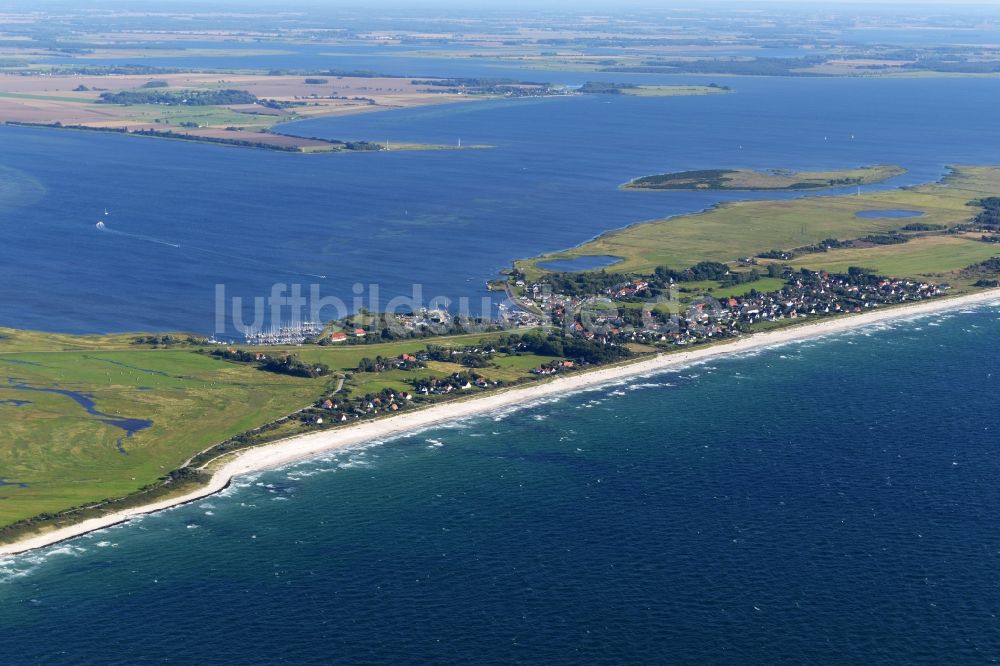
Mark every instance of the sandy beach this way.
pixel 297 448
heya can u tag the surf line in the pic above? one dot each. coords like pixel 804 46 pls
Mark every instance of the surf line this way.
pixel 101 226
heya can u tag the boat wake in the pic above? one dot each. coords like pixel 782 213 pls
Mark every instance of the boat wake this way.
pixel 101 226
pixel 149 239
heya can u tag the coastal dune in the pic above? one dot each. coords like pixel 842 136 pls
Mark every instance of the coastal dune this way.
pixel 305 446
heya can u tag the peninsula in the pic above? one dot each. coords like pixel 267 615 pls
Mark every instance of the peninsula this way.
pixel 234 109
pixel 815 231
pixel 217 473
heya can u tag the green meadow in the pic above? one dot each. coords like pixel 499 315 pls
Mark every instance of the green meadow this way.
pixel 67 457
pixel 926 257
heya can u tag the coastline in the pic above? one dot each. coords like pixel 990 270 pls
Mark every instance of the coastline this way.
pixel 301 447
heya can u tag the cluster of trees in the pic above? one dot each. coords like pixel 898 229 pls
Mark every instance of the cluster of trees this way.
pixel 856 272
pixel 238 355
pixel 587 283
pixel 584 283
pixel 776 254
pixel 179 98
pixel 886 239
pixel 703 270
pixel 167 340
pixel 712 179
pixel 991 265
pixel 924 226
pixel 360 145
pixel 377 364
pixel 467 358
pixel 382 363
pixel 892 238
pixel 289 364
pixel 280 104
pixel 557 346
pixel 823 246
pixel 293 365
pixel 990 216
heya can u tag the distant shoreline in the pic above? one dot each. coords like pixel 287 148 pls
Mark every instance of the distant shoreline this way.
pixel 301 447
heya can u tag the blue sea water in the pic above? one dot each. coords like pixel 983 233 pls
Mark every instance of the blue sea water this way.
pixel 832 501
pixel 191 217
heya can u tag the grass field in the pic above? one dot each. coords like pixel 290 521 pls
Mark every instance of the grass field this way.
pixel 929 256
pixel 749 227
pixel 68 457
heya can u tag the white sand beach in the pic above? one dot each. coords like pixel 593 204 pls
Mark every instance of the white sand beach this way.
pixel 297 448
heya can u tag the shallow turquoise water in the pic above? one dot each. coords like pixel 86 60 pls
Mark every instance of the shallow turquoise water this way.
pixel 825 502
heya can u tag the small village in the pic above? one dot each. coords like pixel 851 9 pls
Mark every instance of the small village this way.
pixel 637 311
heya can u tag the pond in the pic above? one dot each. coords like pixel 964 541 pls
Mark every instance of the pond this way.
pixel 882 214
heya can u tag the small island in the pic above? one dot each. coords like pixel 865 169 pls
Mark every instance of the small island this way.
pixel 771 179
pixel 642 90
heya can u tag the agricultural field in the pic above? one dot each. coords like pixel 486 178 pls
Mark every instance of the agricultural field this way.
pixel 747 228
pixel 74 100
